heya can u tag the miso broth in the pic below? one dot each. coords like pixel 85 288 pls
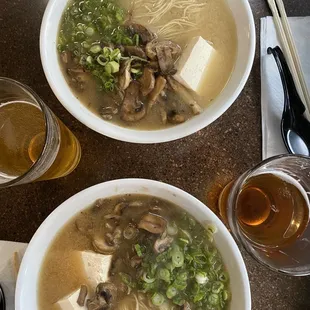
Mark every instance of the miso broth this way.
pixel 161 258
pixel 88 39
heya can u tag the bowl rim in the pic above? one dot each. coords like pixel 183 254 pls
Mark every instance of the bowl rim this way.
pixel 139 184
pixel 153 136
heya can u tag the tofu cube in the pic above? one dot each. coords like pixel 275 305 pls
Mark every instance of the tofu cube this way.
pixel 69 302
pixel 95 266
pixel 193 62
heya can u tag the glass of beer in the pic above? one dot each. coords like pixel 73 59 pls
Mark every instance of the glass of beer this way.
pixel 267 211
pixel 34 144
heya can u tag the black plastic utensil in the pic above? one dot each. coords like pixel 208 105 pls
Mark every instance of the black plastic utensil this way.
pixel 295 128
pixel 2 299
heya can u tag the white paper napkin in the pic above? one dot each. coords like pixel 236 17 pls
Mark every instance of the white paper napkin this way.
pixel 272 91
pixel 8 269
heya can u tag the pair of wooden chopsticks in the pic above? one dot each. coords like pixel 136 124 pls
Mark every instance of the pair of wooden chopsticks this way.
pixel 290 51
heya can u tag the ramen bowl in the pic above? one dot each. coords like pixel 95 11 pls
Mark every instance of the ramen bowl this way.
pixel 245 30
pixel 28 278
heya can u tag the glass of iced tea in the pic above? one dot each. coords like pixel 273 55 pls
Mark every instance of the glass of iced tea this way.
pixel 267 210
pixel 34 143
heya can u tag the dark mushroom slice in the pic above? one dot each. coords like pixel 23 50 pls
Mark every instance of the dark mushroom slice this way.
pixel 135 51
pixel 132 109
pixel 102 246
pixel 153 64
pixel 108 291
pixel 153 223
pixel 160 84
pixel 97 303
pixel 175 118
pixel 147 81
pixel 82 295
pixel 162 245
pixel 124 78
pixel 165 60
pixel 145 34
pixel 135 261
pixel 185 95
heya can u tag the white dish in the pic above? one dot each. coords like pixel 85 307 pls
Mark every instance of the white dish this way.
pixel 27 283
pixel 245 55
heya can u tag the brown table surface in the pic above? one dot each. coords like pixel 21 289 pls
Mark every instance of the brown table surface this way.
pixel 214 155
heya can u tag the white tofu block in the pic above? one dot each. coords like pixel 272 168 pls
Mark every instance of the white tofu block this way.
pixel 96 266
pixel 193 62
pixel 70 302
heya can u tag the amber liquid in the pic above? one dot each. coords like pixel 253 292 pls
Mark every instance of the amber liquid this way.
pixel 272 210
pixel 22 138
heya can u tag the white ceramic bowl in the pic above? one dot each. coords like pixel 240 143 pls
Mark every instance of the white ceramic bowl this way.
pixel 246 49
pixel 27 282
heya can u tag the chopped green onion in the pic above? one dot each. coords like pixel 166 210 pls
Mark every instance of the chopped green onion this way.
pixel 127 41
pixel 178 301
pixel 211 228
pixel 90 31
pixel 225 295
pixel 177 259
pixel 172 229
pixel 95 49
pixel 201 277
pixel 223 276
pixel 217 287
pixel 126 279
pixel 135 71
pixel 138 250
pixel 136 39
pixel 112 67
pixel 171 292
pixel 164 274
pixel 89 60
pixel 101 60
pixel 213 299
pixel 158 299
pixel 146 278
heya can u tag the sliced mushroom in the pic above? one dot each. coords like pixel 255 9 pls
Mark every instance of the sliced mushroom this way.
pixel 161 245
pixel 82 295
pixel 145 34
pixel 106 294
pixel 135 261
pixel 135 51
pixel 108 291
pixel 150 49
pixel 97 303
pixel 102 246
pixel 165 60
pixel 153 223
pixel 114 217
pixel 65 57
pixel 124 74
pixel 119 208
pixel 175 118
pixel 184 93
pixel 153 65
pixel 147 81
pixel 160 84
pixel 132 109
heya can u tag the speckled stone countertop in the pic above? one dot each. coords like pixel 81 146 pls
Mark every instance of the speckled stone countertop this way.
pixel 214 155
